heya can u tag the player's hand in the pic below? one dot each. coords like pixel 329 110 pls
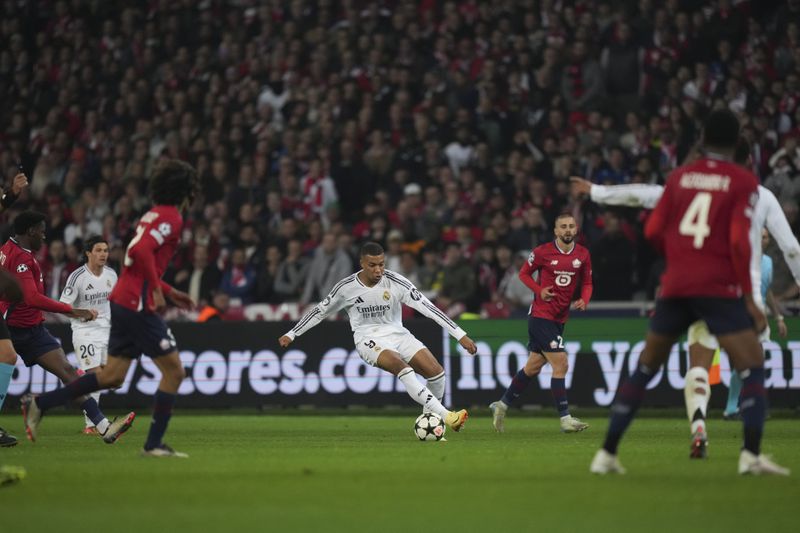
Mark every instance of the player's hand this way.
pixel 580 187
pixel 547 293
pixel 468 344
pixel 86 315
pixel 158 300
pixel 759 319
pixel 181 276
pixel 285 341
pixel 19 183
pixel 181 299
pixel 579 304
pixel 782 330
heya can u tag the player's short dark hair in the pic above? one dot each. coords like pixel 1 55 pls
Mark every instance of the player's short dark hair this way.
pixel 90 243
pixel 371 248
pixel 721 129
pixel 565 215
pixel 742 152
pixel 172 182
pixel 26 220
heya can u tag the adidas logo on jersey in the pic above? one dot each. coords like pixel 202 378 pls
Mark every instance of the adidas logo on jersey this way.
pixel 359 300
pixel 89 287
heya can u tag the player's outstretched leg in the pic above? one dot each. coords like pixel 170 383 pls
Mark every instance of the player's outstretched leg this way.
pixel 696 393
pixel 558 387
pixel 172 374
pixel 629 398
pixel 521 380
pixel 455 420
pixel 734 390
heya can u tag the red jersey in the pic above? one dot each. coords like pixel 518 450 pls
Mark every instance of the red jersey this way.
pixel 558 270
pixel 22 264
pixel 702 224
pixel 147 257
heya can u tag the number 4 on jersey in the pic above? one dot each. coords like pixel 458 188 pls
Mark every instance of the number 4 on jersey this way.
pixel 695 221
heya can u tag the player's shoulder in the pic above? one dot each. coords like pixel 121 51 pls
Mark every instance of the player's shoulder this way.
pixel 581 250
pixel 75 275
pixel 343 285
pixel 544 248
pixel 398 279
pixel 110 272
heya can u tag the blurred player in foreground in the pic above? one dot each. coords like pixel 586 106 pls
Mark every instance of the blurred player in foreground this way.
pixel 139 295
pixel 702 223
pixel 702 344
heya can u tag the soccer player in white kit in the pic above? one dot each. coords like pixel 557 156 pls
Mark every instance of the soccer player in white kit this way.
pixel 88 287
pixel 702 344
pixel 373 299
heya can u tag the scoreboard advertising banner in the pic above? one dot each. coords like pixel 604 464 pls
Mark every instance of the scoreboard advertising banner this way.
pixel 239 364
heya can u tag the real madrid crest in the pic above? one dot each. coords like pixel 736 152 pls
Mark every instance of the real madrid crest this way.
pixel 386 295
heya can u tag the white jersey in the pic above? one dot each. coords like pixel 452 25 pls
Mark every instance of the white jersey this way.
pixel 374 311
pixel 84 290
pixel 767 214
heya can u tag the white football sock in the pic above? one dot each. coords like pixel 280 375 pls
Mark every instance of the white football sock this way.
pixel 436 386
pixel 697 393
pixel 421 394
pixel 102 427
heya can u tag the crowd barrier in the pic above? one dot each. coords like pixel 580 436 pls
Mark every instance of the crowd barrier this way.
pixel 240 364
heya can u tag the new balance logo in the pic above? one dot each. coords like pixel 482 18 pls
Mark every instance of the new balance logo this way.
pixel 359 300
pixel 89 287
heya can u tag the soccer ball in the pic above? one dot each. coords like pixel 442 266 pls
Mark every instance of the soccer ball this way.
pixel 429 426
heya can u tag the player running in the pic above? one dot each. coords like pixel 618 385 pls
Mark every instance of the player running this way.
pixel 702 344
pixel 90 286
pixel 372 298
pixel 135 300
pixel 32 340
pixel 11 291
pixel 702 223
pixel 559 264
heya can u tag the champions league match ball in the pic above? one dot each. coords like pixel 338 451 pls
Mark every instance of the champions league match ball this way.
pixel 429 426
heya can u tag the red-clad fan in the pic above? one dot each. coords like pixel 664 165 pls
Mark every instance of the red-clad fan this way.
pixel 137 297
pixel 561 265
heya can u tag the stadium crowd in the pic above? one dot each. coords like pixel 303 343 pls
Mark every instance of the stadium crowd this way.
pixel 446 131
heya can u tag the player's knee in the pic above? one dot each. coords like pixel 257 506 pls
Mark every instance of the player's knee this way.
pixel 114 381
pixel 8 357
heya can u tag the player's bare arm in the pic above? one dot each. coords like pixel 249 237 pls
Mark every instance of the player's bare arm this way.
pixel 18 184
pixel 466 343
pixel 579 305
pixel 83 314
pixel 547 293
pixel 181 299
pixel 580 187
pixel 285 341
pixel 776 312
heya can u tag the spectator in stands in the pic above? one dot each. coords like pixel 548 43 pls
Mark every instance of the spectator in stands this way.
pixel 292 272
pixel 267 273
pixel 200 278
pixel 329 265
pixel 458 284
pixel 239 278
pixel 613 256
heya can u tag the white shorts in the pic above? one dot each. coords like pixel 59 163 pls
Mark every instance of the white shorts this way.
pixel 698 333
pixel 90 351
pixel 405 344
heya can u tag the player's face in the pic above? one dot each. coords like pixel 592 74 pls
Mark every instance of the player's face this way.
pixel 566 229
pixel 373 266
pixel 36 234
pixel 99 254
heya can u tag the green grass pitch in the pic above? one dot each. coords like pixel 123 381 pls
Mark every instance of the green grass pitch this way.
pixel 369 473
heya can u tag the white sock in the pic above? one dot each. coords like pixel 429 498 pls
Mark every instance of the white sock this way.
pixel 96 396
pixel 421 394
pixel 436 386
pixel 697 393
pixel 102 427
